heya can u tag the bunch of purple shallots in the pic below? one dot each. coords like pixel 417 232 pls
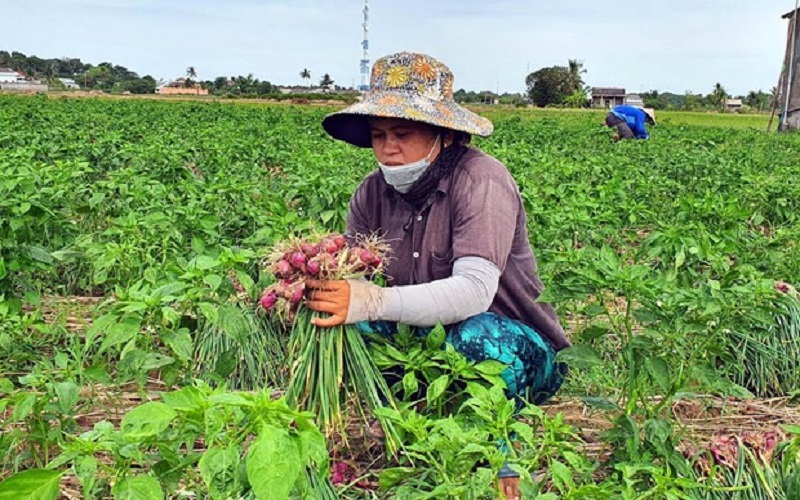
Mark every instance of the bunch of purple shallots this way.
pixel 328 257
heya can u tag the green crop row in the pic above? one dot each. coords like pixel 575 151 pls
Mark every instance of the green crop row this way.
pixel 669 261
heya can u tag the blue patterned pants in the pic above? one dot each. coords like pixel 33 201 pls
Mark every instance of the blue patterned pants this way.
pixel 532 374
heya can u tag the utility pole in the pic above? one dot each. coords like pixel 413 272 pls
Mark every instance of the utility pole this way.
pixel 365 46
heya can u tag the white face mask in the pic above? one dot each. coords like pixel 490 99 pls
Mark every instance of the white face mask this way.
pixel 402 177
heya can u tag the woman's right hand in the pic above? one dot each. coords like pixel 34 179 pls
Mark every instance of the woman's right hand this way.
pixel 328 296
pixel 347 301
pixel 509 487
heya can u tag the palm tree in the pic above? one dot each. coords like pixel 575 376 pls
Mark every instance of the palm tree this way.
pixel 326 81
pixel 718 96
pixel 190 73
pixel 306 75
pixel 245 84
pixel 575 82
pixel 752 99
pixel 774 96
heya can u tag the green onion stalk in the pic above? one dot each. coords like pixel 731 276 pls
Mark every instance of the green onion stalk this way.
pixel 328 367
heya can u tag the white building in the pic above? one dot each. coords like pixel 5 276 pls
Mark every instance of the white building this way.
pixel 634 100
pixel 733 104
pixel 8 75
pixel 69 84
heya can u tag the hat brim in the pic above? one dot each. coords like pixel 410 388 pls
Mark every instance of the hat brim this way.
pixel 351 125
pixel 651 113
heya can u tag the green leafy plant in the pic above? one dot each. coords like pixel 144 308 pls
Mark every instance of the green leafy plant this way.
pixel 42 412
pixel 430 370
pixel 459 456
pixel 214 442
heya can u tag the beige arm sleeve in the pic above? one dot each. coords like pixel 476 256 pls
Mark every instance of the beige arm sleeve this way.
pixel 469 291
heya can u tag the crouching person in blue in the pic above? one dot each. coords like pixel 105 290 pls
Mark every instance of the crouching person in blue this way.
pixel 457 226
pixel 630 122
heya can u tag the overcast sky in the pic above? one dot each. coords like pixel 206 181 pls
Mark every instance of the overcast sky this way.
pixel 669 45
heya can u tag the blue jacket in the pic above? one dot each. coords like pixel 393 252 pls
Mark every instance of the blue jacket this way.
pixel 634 117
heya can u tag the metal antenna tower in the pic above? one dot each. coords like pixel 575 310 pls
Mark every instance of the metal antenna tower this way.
pixel 365 56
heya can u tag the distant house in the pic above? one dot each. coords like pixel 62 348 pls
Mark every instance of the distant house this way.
pixel 8 75
pixel 634 100
pixel 607 97
pixel 733 105
pixel 69 84
pixel 294 89
pixel 178 87
pixel 16 81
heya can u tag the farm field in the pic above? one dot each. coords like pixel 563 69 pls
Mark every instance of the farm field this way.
pixel 133 365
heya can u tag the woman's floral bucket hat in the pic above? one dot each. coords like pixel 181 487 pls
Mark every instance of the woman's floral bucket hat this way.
pixel 405 85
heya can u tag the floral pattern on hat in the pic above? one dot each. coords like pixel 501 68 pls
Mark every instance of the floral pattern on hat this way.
pixel 411 86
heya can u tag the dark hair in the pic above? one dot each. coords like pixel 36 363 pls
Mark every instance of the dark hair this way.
pixel 459 137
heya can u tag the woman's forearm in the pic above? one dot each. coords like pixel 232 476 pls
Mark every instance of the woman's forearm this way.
pixel 469 291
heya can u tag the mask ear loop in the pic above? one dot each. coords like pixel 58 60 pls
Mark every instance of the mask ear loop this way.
pixel 433 147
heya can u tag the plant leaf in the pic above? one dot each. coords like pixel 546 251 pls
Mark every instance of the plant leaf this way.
pixel 204 263
pixel 391 477
pixel 213 281
pixel 659 370
pixel 226 362
pixel 23 406
pixel 313 444
pixel 600 403
pixel 121 332
pixel 562 476
pixel 209 312
pixel 218 468
pixel 491 367
pixel 40 254
pixel 32 484
pixel 147 420
pixel 246 281
pixel 187 399
pixel 436 337
pixel 67 394
pixel 85 468
pixel 273 464
pixel 792 485
pixel 232 399
pixel 138 488
pixel 580 356
pixel 180 342
pixel 410 383
pixel 155 360
pixel 437 388
pixel 232 320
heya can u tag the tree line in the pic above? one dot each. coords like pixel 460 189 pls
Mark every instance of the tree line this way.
pixel 114 78
pixel 104 76
pixel 559 86
pixel 564 86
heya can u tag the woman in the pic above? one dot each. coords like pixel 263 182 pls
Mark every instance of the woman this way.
pixel 456 224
